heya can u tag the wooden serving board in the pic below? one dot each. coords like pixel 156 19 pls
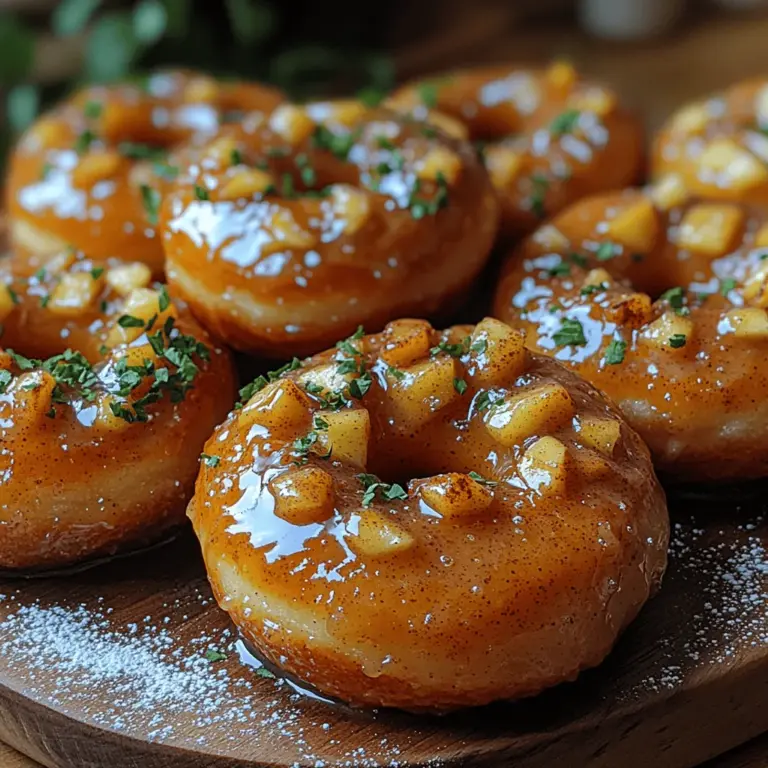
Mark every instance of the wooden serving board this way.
pixel 116 666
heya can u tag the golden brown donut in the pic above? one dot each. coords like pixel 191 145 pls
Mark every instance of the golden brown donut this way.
pixel 718 147
pixel 90 172
pixel 100 442
pixel 430 520
pixel 286 234
pixel 661 304
pixel 547 136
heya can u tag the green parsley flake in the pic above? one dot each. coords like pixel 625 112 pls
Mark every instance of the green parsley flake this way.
pixel 249 390
pixel 428 94
pixel 540 186
pixel 137 151
pixel 386 491
pixel 212 655
pixel 615 351
pixel 93 109
pixel 606 251
pixel 565 122
pixel 478 478
pixel 201 193
pixel 97 272
pixel 84 141
pixel 150 198
pixel 677 340
pixel 265 673
pixel 460 386
pixel 727 285
pixel 571 332
pixel 236 157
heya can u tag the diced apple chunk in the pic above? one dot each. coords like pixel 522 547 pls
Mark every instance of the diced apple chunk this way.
pixel 733 165
pixel 352 205
pixel 670 331
pixel 426 388
pixel 498 352
pixel 292 123
pixel 710 228
pixel 668 192
pixel 304 496
pixel 325 377
pixel 455 495
pixel 562 75
pixel 551 238
pixel 503 164
pixel 280 406
pixel 600 434
pixel 128 277
pixel 346 436
pixel 439 161
pixel 246 183
pixel 594 99
pixel 748 322
pixel 691 119
pixel 545 408
pixel 406 342
pixel 74 294
pixel 755 289
pixel 379 535
pixel 635 226
pixel 544 466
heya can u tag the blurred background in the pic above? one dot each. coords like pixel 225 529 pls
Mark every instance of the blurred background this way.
pixel 656 52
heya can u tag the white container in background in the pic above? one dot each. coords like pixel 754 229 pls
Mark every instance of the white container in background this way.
pixel 629 19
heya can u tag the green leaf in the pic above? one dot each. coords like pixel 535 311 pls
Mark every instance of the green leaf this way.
pixel 17 49
pixel 252 21
pixel 23 103
pixel 111 47
pixel 149 21
pixel 71 16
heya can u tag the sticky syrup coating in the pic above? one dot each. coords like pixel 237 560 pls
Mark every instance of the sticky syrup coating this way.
pixel 288 232
pixel 661 304
pixel 91 172
pixel 547 136
pixel 99 448
pixel 526 531
pixel 718 146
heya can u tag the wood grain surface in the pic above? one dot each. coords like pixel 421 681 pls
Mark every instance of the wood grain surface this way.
pixel 688 682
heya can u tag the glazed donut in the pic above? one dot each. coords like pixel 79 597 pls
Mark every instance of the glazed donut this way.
pixel 90 172
pixel 99 442
pixel 286 234
pixel 430 520
pixel 661 304
pixel 548 138
pixel 718 147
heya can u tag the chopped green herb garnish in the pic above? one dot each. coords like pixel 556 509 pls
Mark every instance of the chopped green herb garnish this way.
pixel 97 272
pixel 588 290
pixel 338 144
pixel 483 401
pixel 428 94
pixel 265 673
pixel 677 340
pixel 396 373
pixel 210 461
pixel 129 321
pixel 565 122
pixel 540 185
pixel 727 285
pixel 560 270
pixel 14 296
pixel 478 478
pixel 137 151
pixel 614 352
pixel 460 386
pixel 93 109
pixel 571 332
pixel 150 198
pixel 578 259
pixel 211 655
pixel 387 491
pixel 84 141
pixel 5 380
pixel 249 390
pixel 421 206
pixel 201 193
pixel 453 350
pixel 166 171
pixel 606 251
pixel 236 157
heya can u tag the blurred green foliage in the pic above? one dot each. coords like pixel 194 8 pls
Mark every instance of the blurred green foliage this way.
pixel 306 48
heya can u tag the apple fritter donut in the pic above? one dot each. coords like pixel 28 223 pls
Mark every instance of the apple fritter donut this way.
pixel 718 147
pixel 661 304
pixel 547 136
pixel 430 520
pixel 90 173
pixel 285 235
pixel 100 436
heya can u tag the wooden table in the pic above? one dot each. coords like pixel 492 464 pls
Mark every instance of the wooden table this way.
pixel 654 78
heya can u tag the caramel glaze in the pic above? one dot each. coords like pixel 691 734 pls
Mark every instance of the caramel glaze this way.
pixel 547 137
pixel 466 588
pixel 90 172
pixel 78 480
pixel 718 147
pixel 286 233
pixel 683 290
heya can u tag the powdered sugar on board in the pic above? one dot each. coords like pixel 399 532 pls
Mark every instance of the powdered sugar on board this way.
pixel 103 648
